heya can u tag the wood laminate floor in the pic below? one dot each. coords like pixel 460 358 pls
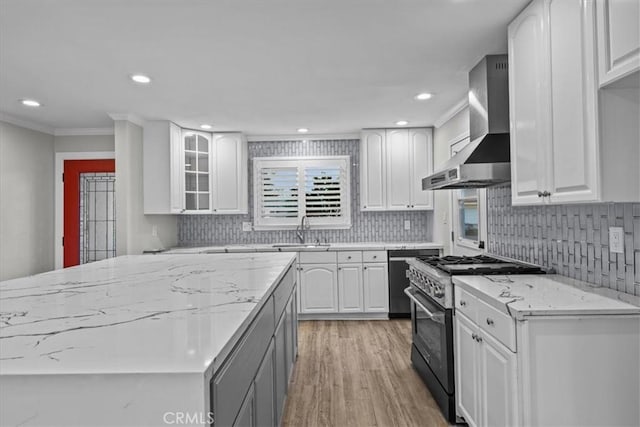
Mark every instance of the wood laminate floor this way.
pixel 357 373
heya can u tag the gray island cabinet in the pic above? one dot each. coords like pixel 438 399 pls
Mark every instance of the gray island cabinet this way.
pixel 150 340
pixel 251 386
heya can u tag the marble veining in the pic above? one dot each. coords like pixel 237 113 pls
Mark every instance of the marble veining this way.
pixel 133 314
pixel 526 295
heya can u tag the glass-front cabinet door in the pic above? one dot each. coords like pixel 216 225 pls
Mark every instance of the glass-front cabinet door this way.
pixel 197 173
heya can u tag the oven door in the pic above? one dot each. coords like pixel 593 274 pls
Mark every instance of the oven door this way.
pixel 432 328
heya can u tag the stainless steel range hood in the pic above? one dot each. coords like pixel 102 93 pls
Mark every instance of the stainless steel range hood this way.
pixel 485 160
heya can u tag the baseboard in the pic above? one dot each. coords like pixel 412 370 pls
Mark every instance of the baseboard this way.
pixel 343 316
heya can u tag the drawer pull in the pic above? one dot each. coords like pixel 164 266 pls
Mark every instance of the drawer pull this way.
pixel 489 321
pixel 463 303
pixel 349 257
pixel 375 256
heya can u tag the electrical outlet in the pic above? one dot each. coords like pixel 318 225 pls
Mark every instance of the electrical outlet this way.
pixel 247 226
pixel 407 224
pixel 616 240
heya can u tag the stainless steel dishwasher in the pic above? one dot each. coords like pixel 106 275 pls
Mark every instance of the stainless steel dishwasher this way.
pixel 399 305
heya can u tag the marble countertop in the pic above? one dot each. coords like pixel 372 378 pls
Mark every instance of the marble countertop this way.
pixel 527 295
pixel 134 314
pixel 357 246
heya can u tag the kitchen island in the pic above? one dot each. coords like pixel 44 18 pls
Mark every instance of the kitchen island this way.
pixel 139 340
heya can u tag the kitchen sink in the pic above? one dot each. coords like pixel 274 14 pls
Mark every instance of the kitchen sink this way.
pixel 300 245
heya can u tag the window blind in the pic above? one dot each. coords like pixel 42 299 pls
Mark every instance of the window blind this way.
pixel 285 189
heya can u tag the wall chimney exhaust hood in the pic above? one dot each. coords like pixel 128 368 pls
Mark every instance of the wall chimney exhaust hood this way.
pixel 485 161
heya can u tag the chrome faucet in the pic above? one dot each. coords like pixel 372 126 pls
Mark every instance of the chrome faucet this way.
pixel 302 228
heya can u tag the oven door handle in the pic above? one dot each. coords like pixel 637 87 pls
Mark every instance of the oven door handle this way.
pixel 408 292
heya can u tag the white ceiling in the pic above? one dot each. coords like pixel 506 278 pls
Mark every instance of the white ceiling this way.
pixel 261 67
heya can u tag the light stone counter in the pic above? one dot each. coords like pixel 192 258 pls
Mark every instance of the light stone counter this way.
pixel 124 340
pixel 357 246
pixel 546 295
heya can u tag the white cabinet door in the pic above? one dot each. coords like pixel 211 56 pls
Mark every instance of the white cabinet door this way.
pixel 528 104
pixel 176 170
pixel 466 351
pixel 350 293
pixel 618 39
pixel 230 186
pixel 196 149
pixel 498 386
pixel 318 288
pixel 373 195
pixel 376 288
pixel 421 166
pixel 573 175
pixel 398 169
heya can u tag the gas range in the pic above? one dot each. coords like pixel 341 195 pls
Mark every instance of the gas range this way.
pixel 432 274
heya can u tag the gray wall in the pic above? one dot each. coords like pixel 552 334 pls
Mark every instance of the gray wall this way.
pixel 81 143
pixel 366 226
pixel 26 197
pixel 573 239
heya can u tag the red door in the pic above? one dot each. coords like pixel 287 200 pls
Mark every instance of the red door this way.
pixel 72 171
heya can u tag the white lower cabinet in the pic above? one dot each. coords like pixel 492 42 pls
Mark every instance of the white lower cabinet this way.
pixel 348 282
pixel 376 287
pixel 486 377
pixel 318 288
pixel 350 294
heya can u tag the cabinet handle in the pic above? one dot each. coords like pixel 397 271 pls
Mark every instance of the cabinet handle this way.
pixel 545 193
pixel 489 321
pixel 365 268
pixel 348 257
pixel 475 337
pixel 463 303
pixel 339 268
pixel 540 194
pixel 375 256
pixel 479 338
pixel 408 206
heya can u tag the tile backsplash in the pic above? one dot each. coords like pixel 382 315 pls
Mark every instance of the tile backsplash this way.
pixel 366 226
pixel 572 239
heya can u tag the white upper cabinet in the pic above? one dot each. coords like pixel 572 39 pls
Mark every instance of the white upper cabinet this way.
pixel 421 151
pixel 188 172
pixel 558 139
pixel 528 104
pixel 393 163
pixel 618 39
pixel 230 173
pixel 398 169
pixel 373 189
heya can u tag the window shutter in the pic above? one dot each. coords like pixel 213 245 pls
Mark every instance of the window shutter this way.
pixel 323 191
pixel 279 192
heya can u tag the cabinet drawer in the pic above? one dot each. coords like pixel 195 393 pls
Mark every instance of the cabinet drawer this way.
pixel 374 256
pixel 282 292
pixel 349 257
pixel 317 257
pixel 231 383
pixel 466 303
pixel 498 324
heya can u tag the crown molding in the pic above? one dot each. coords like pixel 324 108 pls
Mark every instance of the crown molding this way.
pixel 128 117
pixel 302 137
pixel 451 112
pixel 27 124
pixel 83 131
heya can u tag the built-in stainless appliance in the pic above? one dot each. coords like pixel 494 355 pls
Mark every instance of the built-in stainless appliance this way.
pixel 486 159
pixel 431 294
pixel 399 303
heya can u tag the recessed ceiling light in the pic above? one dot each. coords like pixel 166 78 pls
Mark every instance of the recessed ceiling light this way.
pixel 30 103
pixel 205 126
pixel 303 130
pixel 423 96
pixel 141 78
pixel 402 123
